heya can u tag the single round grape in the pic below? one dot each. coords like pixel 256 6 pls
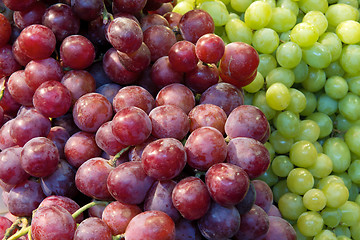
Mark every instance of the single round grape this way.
pixel 106 140
pixel 315 80
pixel 278 228
pixel 87 10
pixel 5 30
pixel 310 223
pixel 291 205
pixel 249 200
pixel 265 40
pixel 339 153
pixel 282 19
pixel 322 167
pixel 304 34
pixel 93 227
pixel 258 15
pixel 280 143
pixel 79 83
pixel 202 77
pixel 182 56
pixel 278 96
pixel 317 55
pixel 266 64
pixel 327 105
pixel 314 200
pixel 280 75
pixel 336 194
pixel 289 54
pixel 301 72
pixel 300 180
pixel 217 10
pixel 349 58
pixel 162 73
pixel 263 196
pixel 318 19
pixel 333 42
pixel 209 48
pixel 303 154
pixel 11 171
pixel 350 213
pixel 281 165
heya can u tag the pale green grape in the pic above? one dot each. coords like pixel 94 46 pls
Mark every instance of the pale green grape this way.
pixel 183 7
pixel 288 124
pixel 315 80
pixel 350 59
pixel 336 194
pixel 323 166
pixel 317 55
pixel 269 177
pixel 259 101
pixel 333 43
pixel 353 3
pixel 336 87
pixel 280 143
pixel 291 206
pixel 310 223
pixel 217 10
pixel 304 34
pixel 233 15
pixel 271 150
pixel 349 106
pixel 350 213
pixel 339 153
pixel 238 31
pixel 329 179
pixel 279 189
pixel 282 19
pixel 346 179
pixel 258 15
pixel 300 180
pixel 288 55
pixel 340 12
pixel 354 84
pixel 318 19
pixel 299 235
pixel 280 75
pixel 342 231
pixel 325 234
pixel 319 148
pixel 314 200
pixel 343 124
pixel 323 121
pixel 354 171
pixel 301 71
pixel 313 5
pixel 303 154
pixel 334 69
pixel 355 231
pixel 285 36
pixel 353 192
pixel 297 102
pixel 326 104
pixel 311 103
pixel 352 139
pixel 289 4
pixel 348 31
pixel 265 40
pixel 248 98
pixel 240 5
pixel 331 216
pixel 256 84
pixel 278 96
pixel 281 165
pixel 267 63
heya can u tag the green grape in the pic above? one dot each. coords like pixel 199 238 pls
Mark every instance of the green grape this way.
pixel 354 171
pixel 280 75
pixel 317 55
pixel 297 102
pixel 289 4
pixel 353 3
pixel 324 122
pixel 285 36
pixel 313 5
pixel 311 103
pixel 323 166
pixel 342 231
pixel 282 19
pixel 343 124
pixel 269 177
pixel 315 80
pixel 258 15
pixel 271 150
pixel 309 130
pixel 291 206
pixel 342 237
pixel 354 84
pixel 334 69
pixel 288 124
pixel 310 223
pixel 350 213
pixel 256 84
pixel 281 165
pixel 301 72
pixel 299 235
pixel 340 12
pixel 240 5
pixel 336 87
pixel 271 2
pixel 226 2
pixel 353 192
pixel 355 231
pixel 183 7
pixel 333 43
pixel 248 98
pixel 319 149
pixel 336 194
pixel 259 101
pixel 278 96
pixel 325 234
pixel 280 143
pixel 314 200
pixel 338 152
pixel 238 31
pixel 346 179
pixel 303 154
pixel 318 19
pixel 233 15
pixel 279 189
pixel 329 179
pixel 217 10
pixel 304 34
pixel 265 40
pixel 331 216
pixel 267 63
pixel 350 59
pixel 300 180
pixel 326 104
pixel 288 55
pixel 349 106
pixel 348 31
pixel 352 139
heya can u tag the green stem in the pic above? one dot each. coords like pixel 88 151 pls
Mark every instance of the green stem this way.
pixel 11 229
pixel 227 139
pixel 199 174
pixel 20 233
pixel 2 91
pixel 118 237
pixel 87 206
pixel 112 161
pixel 106 15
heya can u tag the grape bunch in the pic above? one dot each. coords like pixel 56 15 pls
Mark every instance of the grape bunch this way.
pixel 115 125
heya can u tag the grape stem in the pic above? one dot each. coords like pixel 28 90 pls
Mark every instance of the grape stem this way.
pixel 2 91
pixel 106 15
pixel 87 206
pixel 112 161
pixel 23 231
pixel 118 237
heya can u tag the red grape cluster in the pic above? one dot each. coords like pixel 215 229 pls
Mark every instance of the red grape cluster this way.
pixel 125 109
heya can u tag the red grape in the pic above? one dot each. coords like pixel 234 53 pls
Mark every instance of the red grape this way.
pixel 202 77
pixel 8 64
pixel 93 228
pixel 186 229
pixel 32 15
pixel 5 223
pixel 182 56
pixel 5 30
pixel 249 200
pixel 79 83
pixel 152 19
pixel 87 10
pixel 6 140
pixel 136 61
pixel 280 229
pixel 210 48
pixel 18 5
pixel 129 6
pixel 162 73
pixel 11 171
pixel 264 195
pixel 19 89
pixel 19 55
pixel 106 140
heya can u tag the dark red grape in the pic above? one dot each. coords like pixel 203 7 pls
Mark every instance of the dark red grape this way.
pixel 53 222
pixel 77 52
pixel 246 121
pixel 133 96
pixel 274 211
pixel 96 33
pixel 32 15
pixel 91 178
pixel 182 56
pixel 8 63
pixel 152 19
pixel 18 88
pixel 151 5
pixel 264 195
pixel 18 5
pixel 191 198
pixel 163 9
pixel 280 229
pixel 5 223
pixel 7 102
pixel 19 55
pixel 176 94
pixel 5 30
pixel 210 48
pixel 162 73
pixel 249 200
pixel 87 9
pixel 224 95
pixel 129 6
pixel 186 229
pixel 173 19
pixel 151 225
pixel 136 61
pixel 128 183
pixel 106 140
pixel 117 216
pixel 97 71
pixel 79 83
pixel 11 171
pixel 219 222
pixel 37 41
pixel 96 211
pixel 80 147
pixel 202 77
pixel 93 228
pixel 135 152
pixel 146 82
pixel 109 90
pixel 227 183
pixel 169 121
pixel 196 23
pixel 6 140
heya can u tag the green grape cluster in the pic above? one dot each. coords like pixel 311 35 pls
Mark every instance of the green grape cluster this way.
pixel 308 86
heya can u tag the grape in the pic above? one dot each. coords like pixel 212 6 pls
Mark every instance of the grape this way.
pixel 162 73
pixel 8 63
pixel 5 30
pixel 18 5
pixel 93 228
pixel 6 140
pixel 11 171
pixel 151 20
pixel 336 194
pixel 280 75
pixel 19 55
pixel 300 180
pixel 217 10
pixel 337 13
pixel 151 225
pixel 32 15
pixel 59 136
pixel 338 152
pixel 265 40
pixel 280 229
pixel 87 10
pixel 247 203
pixel 264 196
pixel 129 6
pixel 289 54
pixel 238 31
pixel 182 56
pixel 310 223
pixel 303 154
pixel 5 223
pixel 106 140
pixel 186 229
pixel 209 48
pixel 317 55
pixel 258 15
pixel 350 56
pixel 202 77
pixel 278 96
pixel 282 19
pixel 79 83
pixel 109 90
pixel 318 19
pixel 19 89
pixel 53 222
pixel 136 61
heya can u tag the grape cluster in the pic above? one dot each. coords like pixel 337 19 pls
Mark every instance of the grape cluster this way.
pixel 115 125
pixel 306 85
